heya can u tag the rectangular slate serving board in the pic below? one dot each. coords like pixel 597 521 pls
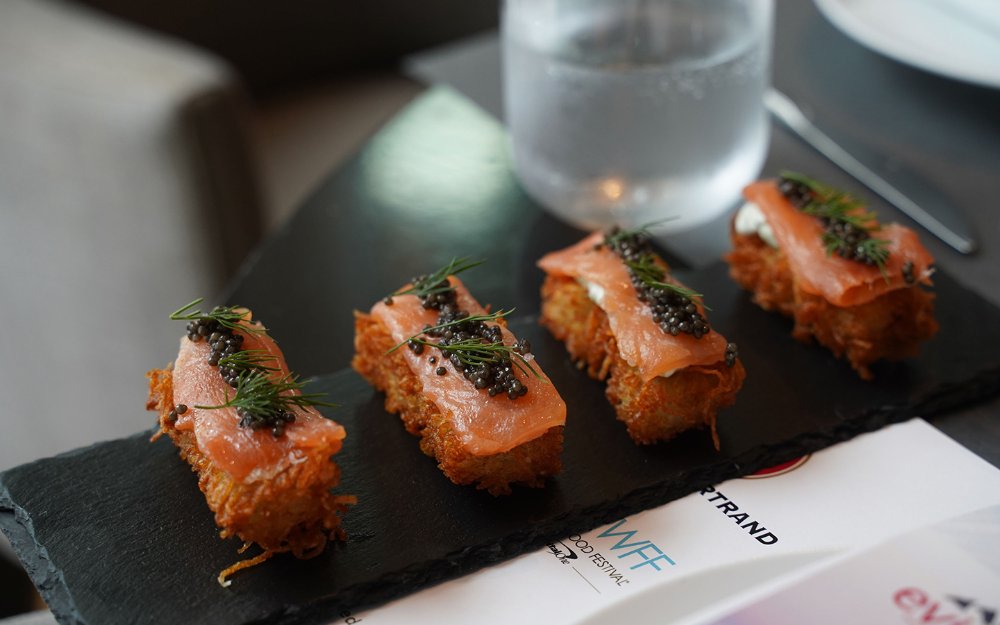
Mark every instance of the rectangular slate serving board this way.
pixel 119 532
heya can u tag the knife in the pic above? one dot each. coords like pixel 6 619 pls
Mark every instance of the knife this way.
pixel 945 224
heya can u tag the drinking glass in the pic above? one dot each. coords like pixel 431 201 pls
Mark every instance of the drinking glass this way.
pixel 636 111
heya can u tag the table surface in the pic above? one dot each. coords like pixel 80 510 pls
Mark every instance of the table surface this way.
pixel 460 197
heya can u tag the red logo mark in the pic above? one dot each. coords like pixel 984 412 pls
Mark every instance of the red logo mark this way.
pixel 779 469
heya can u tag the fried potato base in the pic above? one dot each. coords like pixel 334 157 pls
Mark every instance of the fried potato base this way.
pixel 528 464
pixel 654 411
pixel 891 326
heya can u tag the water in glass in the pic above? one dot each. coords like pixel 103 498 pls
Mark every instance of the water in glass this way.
pixel 635 111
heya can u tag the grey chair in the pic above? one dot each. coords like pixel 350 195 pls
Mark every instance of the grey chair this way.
pixel 126 189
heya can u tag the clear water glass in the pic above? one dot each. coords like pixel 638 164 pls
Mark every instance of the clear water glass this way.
pixel 636 111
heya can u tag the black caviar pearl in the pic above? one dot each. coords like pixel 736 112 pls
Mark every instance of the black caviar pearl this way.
pixel 181 408
pixel 795 192
pixel 731 354
pixel 440 371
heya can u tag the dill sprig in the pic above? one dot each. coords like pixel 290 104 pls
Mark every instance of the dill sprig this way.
pixel 248 360
pixel 495 316
pixel 833 204
pixel 259 395
pixel 875 249
pixel 264 396
pixel 229 317
pixel 437 282
pixel 849 226
pixel 476 351
pixel 652 275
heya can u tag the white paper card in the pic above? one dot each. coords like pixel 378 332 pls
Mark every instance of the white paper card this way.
pixel 736 534
pixel 945 574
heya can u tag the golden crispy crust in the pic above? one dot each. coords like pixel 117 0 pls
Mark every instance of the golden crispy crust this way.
pixel 528 464
pixel 655 411
pixel 891 326
pixel 292 511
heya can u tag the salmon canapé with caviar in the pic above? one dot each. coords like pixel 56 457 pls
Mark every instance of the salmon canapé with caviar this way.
pixel 461 381
pixel 817 255
pixel 262 451
pixel 611 299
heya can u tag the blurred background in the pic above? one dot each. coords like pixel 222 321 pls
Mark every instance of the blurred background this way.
pixel 145 148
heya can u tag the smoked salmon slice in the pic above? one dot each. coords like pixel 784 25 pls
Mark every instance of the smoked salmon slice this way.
pixel 840 281
pixel 641 341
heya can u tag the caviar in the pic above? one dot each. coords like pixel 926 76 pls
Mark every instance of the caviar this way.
pixel 179 409
pixel 673 311
pixel 732 353
pixel 672 306
pixel 258 421
pixel 795 192
pixel 473 347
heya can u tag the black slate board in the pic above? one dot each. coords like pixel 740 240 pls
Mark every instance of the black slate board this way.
pixel 119 533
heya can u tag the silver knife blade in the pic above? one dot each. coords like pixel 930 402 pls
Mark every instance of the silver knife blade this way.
pixel 786 111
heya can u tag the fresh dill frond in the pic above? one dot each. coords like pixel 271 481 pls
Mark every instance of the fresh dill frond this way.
pixel 652 275
pixel 873 251
pixel 437 281
pixel 228 317
pixel 261 396
pixel 495 316
pixel 477 351
pixel 248 360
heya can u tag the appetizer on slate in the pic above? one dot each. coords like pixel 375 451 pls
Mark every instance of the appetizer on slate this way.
pixel 261 450
pixel 462 382
pixel 611 299
pixel 815 254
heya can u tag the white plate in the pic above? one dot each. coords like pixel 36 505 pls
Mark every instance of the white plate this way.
pixel 955 38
